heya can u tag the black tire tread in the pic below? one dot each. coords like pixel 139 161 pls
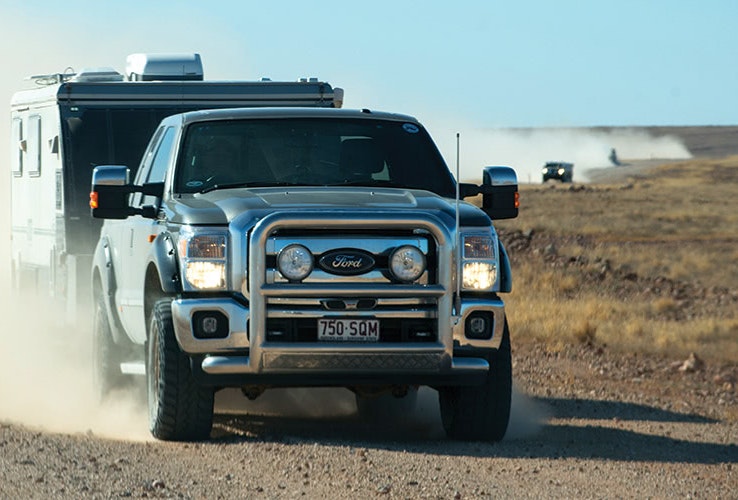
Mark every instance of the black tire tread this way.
pixel 185 411
pixel 481 413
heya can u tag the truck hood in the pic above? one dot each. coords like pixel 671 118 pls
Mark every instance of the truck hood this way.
pixel 222 206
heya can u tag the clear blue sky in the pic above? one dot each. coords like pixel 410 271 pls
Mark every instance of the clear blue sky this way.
pixel 478 63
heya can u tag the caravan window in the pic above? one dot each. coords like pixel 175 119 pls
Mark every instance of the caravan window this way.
pixel 33 146
pixel 17 146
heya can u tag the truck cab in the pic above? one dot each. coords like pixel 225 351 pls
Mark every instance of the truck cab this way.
pixel 261 248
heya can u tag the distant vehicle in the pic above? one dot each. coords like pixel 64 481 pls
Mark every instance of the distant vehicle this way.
pixel 558 170
pixel 614 158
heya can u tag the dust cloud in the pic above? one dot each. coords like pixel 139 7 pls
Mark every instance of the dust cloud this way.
pixel 527 150
pixel 46 378
pixel 46 383
pixel 527 416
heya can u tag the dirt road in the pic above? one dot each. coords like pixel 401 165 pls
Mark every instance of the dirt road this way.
pixel 586 423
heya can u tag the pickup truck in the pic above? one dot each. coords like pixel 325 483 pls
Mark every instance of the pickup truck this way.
pixel 288 247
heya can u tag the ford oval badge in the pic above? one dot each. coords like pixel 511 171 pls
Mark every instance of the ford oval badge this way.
pixel 346 262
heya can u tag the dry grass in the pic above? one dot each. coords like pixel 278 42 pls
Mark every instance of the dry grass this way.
pixel 678 202
pixel 677 222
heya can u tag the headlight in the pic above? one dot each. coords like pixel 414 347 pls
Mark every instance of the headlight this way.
pixel 479 275
pixel 544 170
pixel 479 263
pixel 561 171
pixel 295 262
pixel 407 263
pixel 203 257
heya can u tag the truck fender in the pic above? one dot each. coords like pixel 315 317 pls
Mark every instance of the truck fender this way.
pixel 163 257
pixel 505 270
pixel 102 266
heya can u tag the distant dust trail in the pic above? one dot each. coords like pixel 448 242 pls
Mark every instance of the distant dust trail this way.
pixel 527 150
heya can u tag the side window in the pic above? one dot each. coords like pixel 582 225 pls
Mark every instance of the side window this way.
pixel 161 160
pixel 33 146
pixel 148 155
pixel 143 168
pixel 17 146
pixel 158 169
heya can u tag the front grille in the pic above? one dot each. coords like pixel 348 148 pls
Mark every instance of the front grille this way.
pixel 378 245
pixel 284 313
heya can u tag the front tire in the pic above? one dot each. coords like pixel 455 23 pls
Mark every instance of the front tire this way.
pixel 179 408
pixel 481 413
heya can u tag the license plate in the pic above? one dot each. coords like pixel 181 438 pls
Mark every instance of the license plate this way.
pixel 348 330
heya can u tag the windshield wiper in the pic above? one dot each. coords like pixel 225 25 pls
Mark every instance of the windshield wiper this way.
pixel 234 185
pixel 374 183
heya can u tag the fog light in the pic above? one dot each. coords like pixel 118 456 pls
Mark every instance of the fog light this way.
pixel 210 325
pixel 479 326
pixel 407 263
pixel 295 262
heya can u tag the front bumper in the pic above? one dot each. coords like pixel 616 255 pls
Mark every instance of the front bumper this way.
pixel 245 357
pixel 250 354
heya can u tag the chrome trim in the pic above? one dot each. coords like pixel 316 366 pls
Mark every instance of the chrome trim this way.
pixel 225 365
pixel 110 175
pixel 182 311
pixel 354 313
pixel 354 362
pixel 238 365
pixel 381 302
pixel 133 368
pixel 236 354
pixel 320 276
pixel 260 291
pixel 349 289
pixel 372 245
pixel 468 306
pixel 501 175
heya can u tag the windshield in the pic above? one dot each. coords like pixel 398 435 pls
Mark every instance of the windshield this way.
pixel 310 151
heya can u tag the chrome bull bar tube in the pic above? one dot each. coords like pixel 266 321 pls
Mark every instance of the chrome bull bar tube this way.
pixel 272 357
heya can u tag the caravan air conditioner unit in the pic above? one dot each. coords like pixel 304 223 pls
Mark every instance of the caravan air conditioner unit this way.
pixel 150 67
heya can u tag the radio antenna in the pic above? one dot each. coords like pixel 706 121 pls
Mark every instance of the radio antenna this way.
pixel 459 246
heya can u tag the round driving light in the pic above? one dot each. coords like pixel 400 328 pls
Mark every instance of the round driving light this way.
pixel 295 262
pixel 407 263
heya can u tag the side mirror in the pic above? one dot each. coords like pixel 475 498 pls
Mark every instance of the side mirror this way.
pixel 109 193
pixel 111 187
pixel 500 197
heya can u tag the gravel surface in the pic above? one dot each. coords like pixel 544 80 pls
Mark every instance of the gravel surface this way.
pixel 586 423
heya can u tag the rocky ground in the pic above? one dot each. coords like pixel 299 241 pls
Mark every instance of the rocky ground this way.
pixel 586 423
pixel 693 298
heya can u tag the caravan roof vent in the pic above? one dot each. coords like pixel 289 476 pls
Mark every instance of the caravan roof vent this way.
pixel 149 67
pixel 98 75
